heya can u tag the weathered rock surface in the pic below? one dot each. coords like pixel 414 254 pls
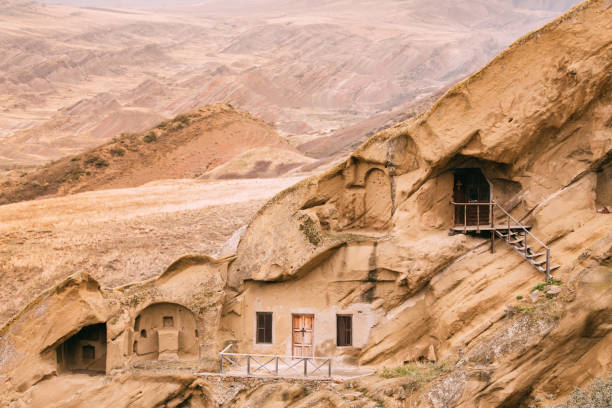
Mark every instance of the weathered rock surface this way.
pixel 371 236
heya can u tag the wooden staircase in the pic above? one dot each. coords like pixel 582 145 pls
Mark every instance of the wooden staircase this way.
pixel 510 230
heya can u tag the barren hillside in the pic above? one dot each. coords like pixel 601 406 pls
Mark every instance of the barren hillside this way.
pixel 184 147
pixel 72 79
pixel 462 258
pixel 119 236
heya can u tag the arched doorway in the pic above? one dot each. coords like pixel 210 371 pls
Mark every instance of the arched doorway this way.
pixel 85 351
pixel 471 187
pixel 165 331
pixel 378 204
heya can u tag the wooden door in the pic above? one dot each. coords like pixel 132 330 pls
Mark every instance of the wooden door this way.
pixel 303 335
pixel 459 196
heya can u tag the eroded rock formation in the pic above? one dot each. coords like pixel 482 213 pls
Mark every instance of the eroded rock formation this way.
pixel 370 239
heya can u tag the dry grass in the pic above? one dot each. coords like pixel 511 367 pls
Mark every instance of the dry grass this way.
pixel 597 395
pixel 421 373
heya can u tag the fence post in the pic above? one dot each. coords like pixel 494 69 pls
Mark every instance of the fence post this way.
pixel 492 227
pixel 220 363
pixel 547 263
pixel 478 218
pixel 248 365
pixel 508 236
pixel 276 367
pixel 464 218
pixel 525 244
pixel 305 367
pixel 329 368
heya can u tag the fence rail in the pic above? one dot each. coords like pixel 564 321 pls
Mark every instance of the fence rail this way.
pixel 269 364
pixel 510 224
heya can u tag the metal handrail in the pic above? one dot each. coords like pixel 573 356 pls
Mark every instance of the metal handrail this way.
pixel 234 358
pixel 518 224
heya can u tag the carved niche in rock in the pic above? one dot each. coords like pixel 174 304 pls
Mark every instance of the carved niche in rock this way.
pixel 363 202
pixel 165 331
pixel 85 351
pixel 377 201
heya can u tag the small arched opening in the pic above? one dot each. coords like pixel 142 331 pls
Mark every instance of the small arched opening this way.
pixel 378 203
pixel 165 331
pixel 85 351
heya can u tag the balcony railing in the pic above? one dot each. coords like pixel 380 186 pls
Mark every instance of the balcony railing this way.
pixel 274 365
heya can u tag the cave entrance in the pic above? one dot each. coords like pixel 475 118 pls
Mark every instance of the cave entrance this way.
pixel 471 190
pixel 85 351
pixel 165 331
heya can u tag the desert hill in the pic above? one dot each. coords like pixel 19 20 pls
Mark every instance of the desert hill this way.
pixel 122 235
pixel 446 317
pixel 73 78
pixel 184 147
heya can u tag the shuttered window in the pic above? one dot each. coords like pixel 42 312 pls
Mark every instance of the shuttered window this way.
pixel 264 327
pixel 344 330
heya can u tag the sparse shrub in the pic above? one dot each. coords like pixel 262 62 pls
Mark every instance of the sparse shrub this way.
pixel 76 158
pixel 117 151
pixel 150 137
pixel 519 297
pixel 598 395
pixel 310 230
pixel 421 373
pixel 549 282
pixel 184 119
pixel 96 161
pixel 74 174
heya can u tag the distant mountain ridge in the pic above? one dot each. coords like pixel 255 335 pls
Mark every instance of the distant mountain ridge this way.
pixel 310 68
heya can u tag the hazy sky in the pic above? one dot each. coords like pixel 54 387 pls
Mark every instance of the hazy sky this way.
pixel 128 3
pixel 551 5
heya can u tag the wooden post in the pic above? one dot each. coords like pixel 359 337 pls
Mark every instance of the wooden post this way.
pixel 220 363
pixel 525 243
pixel 547 263
pixel 508 236
pixel 454 215
pixel 248 365
pixel 305 367
pixel 492 228
pixel 276 366
pixel 464 218
pixel 329 368
pixel 478 218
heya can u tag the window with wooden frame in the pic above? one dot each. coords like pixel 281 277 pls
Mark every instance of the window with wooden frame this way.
pixel 344 330
pixel 264 327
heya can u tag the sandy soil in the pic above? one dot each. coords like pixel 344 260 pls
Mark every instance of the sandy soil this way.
pixel 120 235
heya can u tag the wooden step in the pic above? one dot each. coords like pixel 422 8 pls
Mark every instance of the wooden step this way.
pixel 503 227
pixel 537 263
pixel 515 241
pixel 536 255
pixel 552 268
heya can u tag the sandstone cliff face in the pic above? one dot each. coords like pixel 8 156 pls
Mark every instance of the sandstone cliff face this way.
pixel 536 121
pixel 373 232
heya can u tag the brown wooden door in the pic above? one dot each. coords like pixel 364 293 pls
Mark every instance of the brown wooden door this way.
pixel 303 335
